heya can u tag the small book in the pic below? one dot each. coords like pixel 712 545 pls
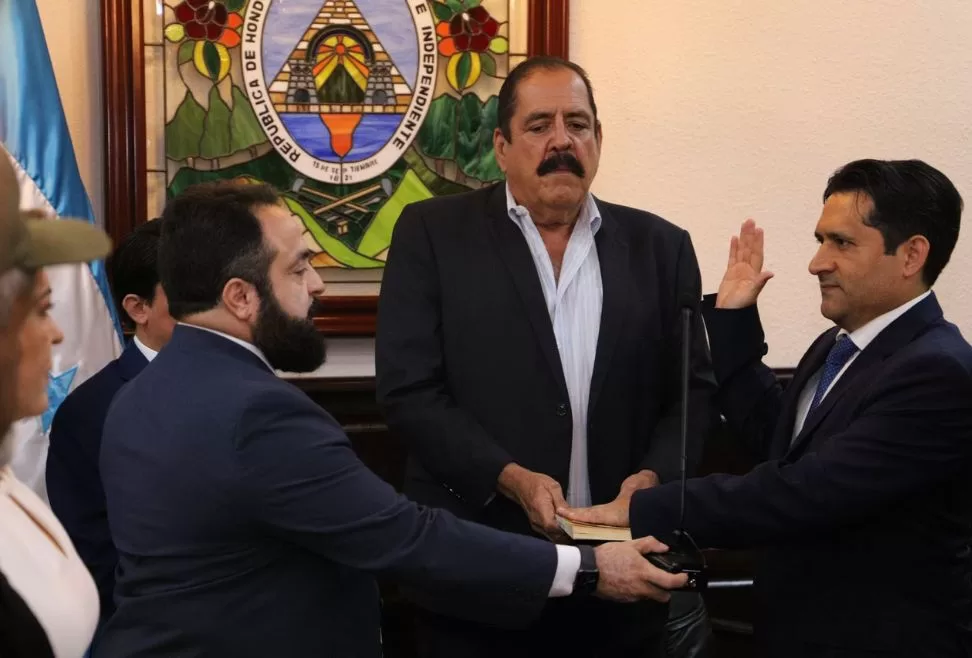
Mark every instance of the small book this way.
pixel 592 531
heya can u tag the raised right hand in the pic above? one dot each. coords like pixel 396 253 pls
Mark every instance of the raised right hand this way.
pixel 744 278
pixel 626 576
pixel 539 495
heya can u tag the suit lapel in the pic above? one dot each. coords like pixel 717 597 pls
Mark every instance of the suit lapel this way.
pixel 612 254
pixel 811 362
pixel 898 334
pixel 861 363
pixel 515 253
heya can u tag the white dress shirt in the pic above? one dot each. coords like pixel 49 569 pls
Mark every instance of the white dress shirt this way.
pixel 862 337
pixel 568 557
pixel 146 351
pixel 574 303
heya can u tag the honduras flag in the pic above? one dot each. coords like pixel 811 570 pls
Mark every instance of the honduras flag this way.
pixel 34 135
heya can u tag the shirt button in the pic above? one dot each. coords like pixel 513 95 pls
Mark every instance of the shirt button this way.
pixel 562 409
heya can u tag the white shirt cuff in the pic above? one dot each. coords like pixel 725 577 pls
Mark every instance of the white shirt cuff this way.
pixel 568 564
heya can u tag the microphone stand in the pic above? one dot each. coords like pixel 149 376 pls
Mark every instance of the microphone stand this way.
pixel 684 555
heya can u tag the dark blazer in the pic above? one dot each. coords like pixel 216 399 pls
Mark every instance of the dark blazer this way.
pixel 468 371
pixel 246 525
pixel 867 516
pixel 73 477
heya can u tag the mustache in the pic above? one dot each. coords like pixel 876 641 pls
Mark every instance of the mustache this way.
pixel 561 160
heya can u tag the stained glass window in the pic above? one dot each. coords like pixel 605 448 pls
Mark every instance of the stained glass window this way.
pixel 352 108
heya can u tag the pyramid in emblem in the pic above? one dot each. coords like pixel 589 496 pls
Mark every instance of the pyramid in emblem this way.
pixel 340 71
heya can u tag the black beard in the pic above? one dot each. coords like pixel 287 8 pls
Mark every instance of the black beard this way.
pixel 289 343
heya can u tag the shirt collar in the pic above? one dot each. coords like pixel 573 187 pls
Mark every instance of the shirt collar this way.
pixel 250 347
pixel 862 336
pixel 146 351
pixel 589 213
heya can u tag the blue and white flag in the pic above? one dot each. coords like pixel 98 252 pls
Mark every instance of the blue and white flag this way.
pixel 34 135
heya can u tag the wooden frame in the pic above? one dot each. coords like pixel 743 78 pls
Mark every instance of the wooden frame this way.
pixel 125 139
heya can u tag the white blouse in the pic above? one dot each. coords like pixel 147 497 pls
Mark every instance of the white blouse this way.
pixel 45 570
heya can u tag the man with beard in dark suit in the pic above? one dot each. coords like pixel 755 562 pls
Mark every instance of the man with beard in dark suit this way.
pixel 245 524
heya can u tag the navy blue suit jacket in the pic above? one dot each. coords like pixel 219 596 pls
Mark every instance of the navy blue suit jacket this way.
pixel 246 525
pixel 73 477
pixel 867 515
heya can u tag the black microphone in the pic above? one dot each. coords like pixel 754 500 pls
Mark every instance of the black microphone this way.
pixel 686 359
pixel 683 555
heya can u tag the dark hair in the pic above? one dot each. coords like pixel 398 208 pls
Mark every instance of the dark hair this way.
pixel 507 94
pixel 910 198
pixel 133 267
pixel 211 236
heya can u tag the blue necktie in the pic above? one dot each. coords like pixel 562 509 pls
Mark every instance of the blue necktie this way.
pixel 843 349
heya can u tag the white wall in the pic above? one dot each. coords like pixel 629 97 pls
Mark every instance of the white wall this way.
pixel 73 32
pixel 715 111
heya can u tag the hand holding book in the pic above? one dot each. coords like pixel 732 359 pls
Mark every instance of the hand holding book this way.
pixel 538 494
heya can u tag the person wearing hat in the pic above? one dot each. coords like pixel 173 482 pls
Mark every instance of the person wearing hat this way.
pixel 48 600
